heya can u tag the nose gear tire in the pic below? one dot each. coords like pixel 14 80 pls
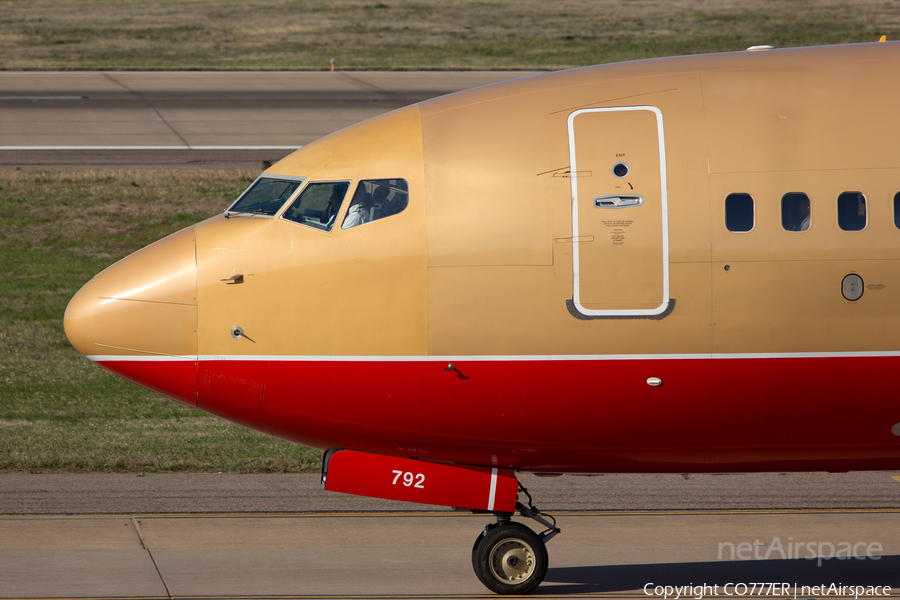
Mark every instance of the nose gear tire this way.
pixel 510 559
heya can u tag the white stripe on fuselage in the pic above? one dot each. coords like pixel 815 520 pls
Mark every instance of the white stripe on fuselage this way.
pixel 491 358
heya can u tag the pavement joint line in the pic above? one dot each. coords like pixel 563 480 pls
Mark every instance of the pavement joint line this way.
pixel 389 93
pixel 149 105
pixel 442 514
pixel 137 528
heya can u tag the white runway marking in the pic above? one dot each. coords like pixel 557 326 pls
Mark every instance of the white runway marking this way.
pixel 43 97
pixel 117 148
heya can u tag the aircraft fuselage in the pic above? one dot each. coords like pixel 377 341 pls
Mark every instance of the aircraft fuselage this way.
pixel 596 271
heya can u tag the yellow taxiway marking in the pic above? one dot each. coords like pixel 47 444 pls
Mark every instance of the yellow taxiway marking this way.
pixel 897 478
pixel 406 597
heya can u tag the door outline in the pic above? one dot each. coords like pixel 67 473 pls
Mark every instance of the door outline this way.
pixel 665 306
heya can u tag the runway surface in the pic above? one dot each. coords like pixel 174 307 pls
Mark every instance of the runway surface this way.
pixel 282 535
pixel 196 119
pixel 428 555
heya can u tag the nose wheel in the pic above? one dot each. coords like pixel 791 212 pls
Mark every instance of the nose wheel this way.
pixel 510 558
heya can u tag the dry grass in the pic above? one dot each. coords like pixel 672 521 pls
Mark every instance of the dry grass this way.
pixel 58 411
pixel 106 213
pixel 422 34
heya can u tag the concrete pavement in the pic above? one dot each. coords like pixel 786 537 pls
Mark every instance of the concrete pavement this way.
pixel 227 535
pixel 421 554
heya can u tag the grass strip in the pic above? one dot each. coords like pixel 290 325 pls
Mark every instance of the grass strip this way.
pixel 60 412
pixel 413 34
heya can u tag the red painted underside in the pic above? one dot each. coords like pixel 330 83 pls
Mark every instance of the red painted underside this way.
pixel 740 415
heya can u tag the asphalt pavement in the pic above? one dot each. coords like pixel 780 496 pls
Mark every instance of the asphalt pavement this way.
pixel 131 493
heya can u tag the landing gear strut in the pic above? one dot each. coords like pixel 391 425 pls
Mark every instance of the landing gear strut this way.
pixel 510 558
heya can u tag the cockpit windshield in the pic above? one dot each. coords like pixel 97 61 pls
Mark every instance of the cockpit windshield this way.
pixel 318 205
pixel 265 197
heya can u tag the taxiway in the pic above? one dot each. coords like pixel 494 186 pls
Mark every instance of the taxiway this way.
pixel 228 535
pixel 163 120
pixel 427 555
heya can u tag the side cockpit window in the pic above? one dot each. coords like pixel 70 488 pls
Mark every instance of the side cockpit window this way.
pixel 265 197
pixel 376 199
pixel 318 204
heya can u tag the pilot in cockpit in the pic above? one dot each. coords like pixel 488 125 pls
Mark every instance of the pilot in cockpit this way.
pixel 358 213
pixel 334 204
pixel 385 207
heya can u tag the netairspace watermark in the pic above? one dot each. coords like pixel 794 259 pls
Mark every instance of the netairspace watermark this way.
pixel 764 589
pixel 817 551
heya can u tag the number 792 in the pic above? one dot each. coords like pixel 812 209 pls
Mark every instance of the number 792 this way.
pixel 410 479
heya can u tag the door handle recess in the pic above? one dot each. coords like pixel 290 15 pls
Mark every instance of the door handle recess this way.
pixel 618 201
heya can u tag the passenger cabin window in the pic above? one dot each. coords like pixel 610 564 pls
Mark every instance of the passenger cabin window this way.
pixel 376 199
pixel 851 211
pixel 265 197
pixel 318 204
pixel 897 210
pixel 795 212
pixel 739 212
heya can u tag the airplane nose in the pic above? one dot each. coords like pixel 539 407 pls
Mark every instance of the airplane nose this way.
pixel 138 318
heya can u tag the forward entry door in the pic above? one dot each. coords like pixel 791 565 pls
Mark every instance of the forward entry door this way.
pixel 619 213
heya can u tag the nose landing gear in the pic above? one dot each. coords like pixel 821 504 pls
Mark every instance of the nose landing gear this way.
pixel 510 558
